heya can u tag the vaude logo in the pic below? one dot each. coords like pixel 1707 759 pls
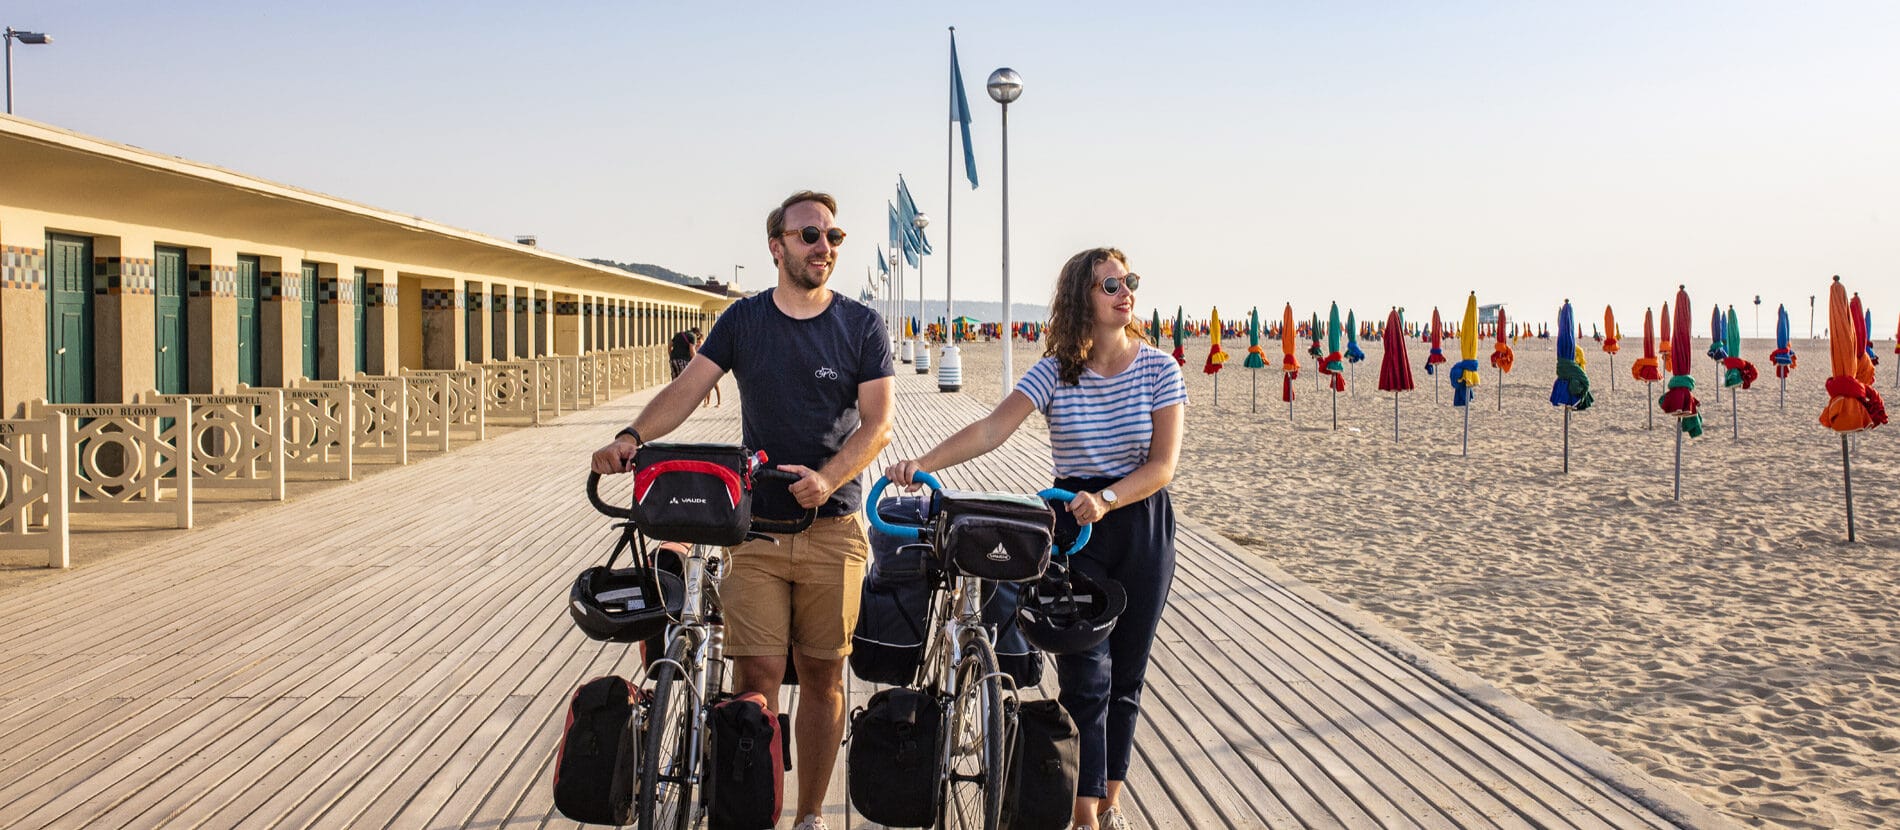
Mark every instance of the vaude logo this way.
pixel 997 555
pixel 678 500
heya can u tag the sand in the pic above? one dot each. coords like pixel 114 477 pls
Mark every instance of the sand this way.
pixel 1732 642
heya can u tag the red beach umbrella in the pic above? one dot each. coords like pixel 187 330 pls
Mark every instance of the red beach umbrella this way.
pixel 1502 357
pixel 1395 371
pixel 1646 368
pixel 1680 400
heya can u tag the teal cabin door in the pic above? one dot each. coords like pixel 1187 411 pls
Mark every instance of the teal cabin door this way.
pixel 69 308
pixel 309 320
pixel 472 325
pixel 362 321
pixel 170 334
pixel 250 331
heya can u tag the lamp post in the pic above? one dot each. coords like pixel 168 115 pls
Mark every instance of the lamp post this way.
pixel 12 34
pixel 736 268
pixel 1005 86
pixel 918 347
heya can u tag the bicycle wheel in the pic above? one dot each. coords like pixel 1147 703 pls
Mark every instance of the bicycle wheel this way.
pixel 973 774
pixel 664 800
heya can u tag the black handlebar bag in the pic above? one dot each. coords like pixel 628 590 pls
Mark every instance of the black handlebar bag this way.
pixel 697 494
pixel 1003 537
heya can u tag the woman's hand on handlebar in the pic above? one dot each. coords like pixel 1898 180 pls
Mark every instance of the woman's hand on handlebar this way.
pixel 812 489
pixel 1088 508
pixel 903 473
pixel 615 458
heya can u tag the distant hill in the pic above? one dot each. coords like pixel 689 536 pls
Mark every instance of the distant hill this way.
pixel 989 311
pixel 657 272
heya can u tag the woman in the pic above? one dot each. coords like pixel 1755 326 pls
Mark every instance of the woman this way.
pixel 1115 408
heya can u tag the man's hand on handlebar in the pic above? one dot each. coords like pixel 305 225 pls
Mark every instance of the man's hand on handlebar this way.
pixel 615 458
pixel 812 489
pixel 904 473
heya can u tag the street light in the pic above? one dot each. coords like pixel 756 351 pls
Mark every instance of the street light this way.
pixel 917 349
pixel 36 38
pixel 736 268
pixel 1005 86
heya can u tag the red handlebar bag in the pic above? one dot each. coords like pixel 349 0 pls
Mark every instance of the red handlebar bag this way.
pixel 696 494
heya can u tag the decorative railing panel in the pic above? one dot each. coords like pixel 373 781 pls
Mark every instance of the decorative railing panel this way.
pixel 128 458
pixel 510 392
pixel 461 392
pixel 380 409
pixel 237 440
pixel 547 381
pixel 35 464
pixel 587 379
pixel 428 409
pixel 319 430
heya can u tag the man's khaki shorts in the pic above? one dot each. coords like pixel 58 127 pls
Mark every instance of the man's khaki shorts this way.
pixel 802 591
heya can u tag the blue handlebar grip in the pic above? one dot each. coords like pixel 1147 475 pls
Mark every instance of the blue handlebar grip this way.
pixel 877 494
pixel 1081 538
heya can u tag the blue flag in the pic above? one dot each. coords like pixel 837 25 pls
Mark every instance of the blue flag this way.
pixel 907 216
pixel 882 266
pixel 960 109
pixel 900 239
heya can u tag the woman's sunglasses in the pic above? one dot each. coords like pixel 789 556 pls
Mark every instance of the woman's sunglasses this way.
pixel 1114 285
pixel 810 235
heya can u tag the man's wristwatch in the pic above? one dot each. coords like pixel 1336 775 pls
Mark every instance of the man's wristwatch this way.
pixel 634 433
pixel 1109 497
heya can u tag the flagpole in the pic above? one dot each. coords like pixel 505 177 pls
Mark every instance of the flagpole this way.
pixel 950 368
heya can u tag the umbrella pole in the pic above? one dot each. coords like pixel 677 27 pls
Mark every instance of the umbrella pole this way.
pixel 1464 446
pixel 1352 379
pixel 1216 391
pixel 1500 388
pixel 1435 393
pixel 1782 401
pixel 1289 413
pixel 1335 409
pixel 1395 416
pixel 1678 460
pixel 1255 406
pixel 1735 413
pixel 1649 406
pixel 1847 479
pixel 1612 374
pixel 1566 440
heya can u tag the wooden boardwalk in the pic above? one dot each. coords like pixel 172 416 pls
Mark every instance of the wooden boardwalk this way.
pixel 396 653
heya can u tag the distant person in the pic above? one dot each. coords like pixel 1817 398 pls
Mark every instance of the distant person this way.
pixel 1115 410
pixel 680 352
pixel 801 343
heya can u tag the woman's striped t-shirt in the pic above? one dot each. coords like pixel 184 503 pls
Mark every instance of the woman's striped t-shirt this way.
pixel 1104 426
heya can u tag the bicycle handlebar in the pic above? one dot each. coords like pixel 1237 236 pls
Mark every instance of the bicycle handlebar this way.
pixel 758 525
pixel 922 533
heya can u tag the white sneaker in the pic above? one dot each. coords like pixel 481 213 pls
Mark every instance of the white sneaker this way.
pixel 1114 820
pixel 811 822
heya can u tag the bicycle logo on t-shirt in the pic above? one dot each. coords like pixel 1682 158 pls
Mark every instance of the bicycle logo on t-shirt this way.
pixel 826 372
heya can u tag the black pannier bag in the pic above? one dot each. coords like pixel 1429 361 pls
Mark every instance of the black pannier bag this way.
pixel 745 782
pixel 1044 762
pixel 891 759
pixel 594 770
pixel 699 494
pixel 997 536
pixel 887 645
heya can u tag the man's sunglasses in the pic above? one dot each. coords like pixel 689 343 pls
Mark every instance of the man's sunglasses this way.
pixel 810 235
pixel 1114 285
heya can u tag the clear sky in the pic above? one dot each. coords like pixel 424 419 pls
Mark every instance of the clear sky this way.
pixel 1240 153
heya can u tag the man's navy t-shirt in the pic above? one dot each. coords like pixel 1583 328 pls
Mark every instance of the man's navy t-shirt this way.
pixel 798 386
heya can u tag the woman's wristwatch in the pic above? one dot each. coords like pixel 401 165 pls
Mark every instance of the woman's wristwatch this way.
pixel 1108 497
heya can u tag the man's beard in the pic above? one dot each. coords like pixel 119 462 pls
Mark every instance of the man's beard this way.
pixel 802 276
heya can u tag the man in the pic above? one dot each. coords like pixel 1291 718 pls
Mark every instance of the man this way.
pixel 816 394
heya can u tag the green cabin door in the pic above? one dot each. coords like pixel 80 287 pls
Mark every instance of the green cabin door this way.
pixel 250 329
pixel 472 325
pixel 171 336
pixel 362 321
pixel 309 320
pixel 69 307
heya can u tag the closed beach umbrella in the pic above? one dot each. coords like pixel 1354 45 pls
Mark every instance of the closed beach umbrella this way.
pixel 1502 357
pixel 1333 364
pixel 1740 372
pixel 1464 373
pixel 1438 345
pixel 1154 333
pixel 1646 369
pixel 1853 404
pixel 1666 341
pixel 1180 335
pixel 1611 343
pixel 1216 356
pixel 1680 400
pixel 1353 352
pixel 1572 387
pixel 1255 358
pixel 1395 371
pixel 1783 355
pixel 1288 363
pixel 1863 348
pixel 1718 346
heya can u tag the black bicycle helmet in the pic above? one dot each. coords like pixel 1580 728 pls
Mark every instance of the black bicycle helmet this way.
pixel 617 605
pixel 1066 612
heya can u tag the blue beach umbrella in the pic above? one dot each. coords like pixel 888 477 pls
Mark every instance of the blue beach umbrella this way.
pixel 1572 388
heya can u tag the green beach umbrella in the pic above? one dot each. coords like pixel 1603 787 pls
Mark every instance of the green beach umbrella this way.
pixel 1154 334
pixel 1254 360
pixel 1180 334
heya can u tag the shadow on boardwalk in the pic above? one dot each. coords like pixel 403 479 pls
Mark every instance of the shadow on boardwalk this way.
pixel 394 653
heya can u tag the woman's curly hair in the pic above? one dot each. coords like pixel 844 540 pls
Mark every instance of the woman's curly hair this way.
pixel 1072 313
